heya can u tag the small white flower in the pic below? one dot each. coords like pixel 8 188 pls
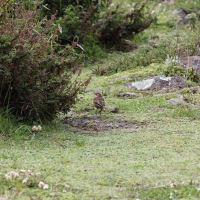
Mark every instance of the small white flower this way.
pixel 198 189
pixel 67 186
pixel 29 172
pixel 38 173
pixel 8 177
pixel 14 174
pixel 22 171
pixel 34 128
pixel 172 185
pixel 46 186
pixel 25 181
pixel 41 184
pixel 64 191
pixel 39 128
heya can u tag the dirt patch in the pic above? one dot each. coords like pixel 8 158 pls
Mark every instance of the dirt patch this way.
pixel 95 123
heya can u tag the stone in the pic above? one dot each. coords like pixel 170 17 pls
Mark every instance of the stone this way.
pixel 170 2
pixel 159 83
pixel 181 15
pixel 191 61
pixel 129 95
pixel 176 101
pixel 112 109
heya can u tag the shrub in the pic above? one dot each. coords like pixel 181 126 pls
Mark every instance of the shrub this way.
pixel 173 68
pixel 75 18
pixel 102 21
pixel 36 79
pixel 117 22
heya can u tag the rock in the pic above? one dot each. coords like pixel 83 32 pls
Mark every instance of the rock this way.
pixel 112 109
pixel 191 61
pixel 170 2
pixel 159 83
pixel 175 101
pixel 129 95
pixel 123 78
pixel 141 85
pixel 181 15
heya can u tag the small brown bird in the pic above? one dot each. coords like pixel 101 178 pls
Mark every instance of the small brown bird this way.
pixel 99 102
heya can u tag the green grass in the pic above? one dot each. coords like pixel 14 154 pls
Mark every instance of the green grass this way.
pixel 118 164
pixel 157 159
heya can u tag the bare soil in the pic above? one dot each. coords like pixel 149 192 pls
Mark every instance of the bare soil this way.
pixel 96 123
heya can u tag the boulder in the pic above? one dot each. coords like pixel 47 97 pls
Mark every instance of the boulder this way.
pixel 176 101
pixel 159 83
pixel 112 109
pixel 181 14
pixel 191 61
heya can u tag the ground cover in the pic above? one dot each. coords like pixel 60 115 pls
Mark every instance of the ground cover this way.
pixel 148 150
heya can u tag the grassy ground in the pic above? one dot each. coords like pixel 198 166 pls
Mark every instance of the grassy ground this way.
pixel 158 158
pixel 154 161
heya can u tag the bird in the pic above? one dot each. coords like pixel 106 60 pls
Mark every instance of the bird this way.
pixel 99 102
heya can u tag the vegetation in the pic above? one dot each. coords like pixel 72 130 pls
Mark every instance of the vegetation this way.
pixel 155 155
pixel 37 80
pixel 101 22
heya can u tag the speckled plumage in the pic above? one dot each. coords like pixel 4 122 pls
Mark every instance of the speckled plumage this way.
pixel 99 102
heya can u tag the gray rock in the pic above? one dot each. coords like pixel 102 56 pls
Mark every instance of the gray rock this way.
pixel 176 101
pixel 181 15
pixel 170 2
pixel 112 109
pixel 129 94
pixel 159 83
pixel 191 61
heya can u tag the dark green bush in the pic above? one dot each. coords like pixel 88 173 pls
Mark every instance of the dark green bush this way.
pixel 36 80
pixel 61 5
pixel 75 17
pixel 118 22
pixel 101 21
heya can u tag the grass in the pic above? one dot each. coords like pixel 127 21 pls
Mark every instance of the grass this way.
pixel 123 164
pixel 157 159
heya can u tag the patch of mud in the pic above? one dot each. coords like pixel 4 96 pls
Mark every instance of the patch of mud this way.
pixel 95 123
